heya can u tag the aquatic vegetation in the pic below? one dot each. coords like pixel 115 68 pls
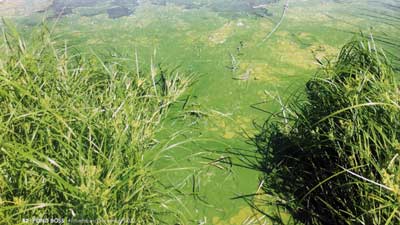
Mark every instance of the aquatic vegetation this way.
pixel 387 13
pixel 332 156
pixel 75 134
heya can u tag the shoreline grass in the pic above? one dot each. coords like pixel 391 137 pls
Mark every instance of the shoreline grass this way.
pixel 333 156
pixel 74 131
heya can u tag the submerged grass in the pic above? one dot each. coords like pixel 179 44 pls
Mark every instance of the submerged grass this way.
pixel 74 132
pixel 333 156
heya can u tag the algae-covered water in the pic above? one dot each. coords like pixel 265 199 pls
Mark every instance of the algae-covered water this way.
pixel 242 71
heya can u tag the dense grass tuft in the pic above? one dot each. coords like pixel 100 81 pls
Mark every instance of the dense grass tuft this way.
pixel 333 156
pixel 74 131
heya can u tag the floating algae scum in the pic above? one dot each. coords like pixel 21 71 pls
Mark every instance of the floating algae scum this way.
pixel 206 167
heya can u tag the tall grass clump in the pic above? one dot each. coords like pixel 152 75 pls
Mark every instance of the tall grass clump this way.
pixel 332 157
pixel 74 131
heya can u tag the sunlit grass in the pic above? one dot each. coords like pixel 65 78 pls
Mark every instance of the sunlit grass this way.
pixel 74 130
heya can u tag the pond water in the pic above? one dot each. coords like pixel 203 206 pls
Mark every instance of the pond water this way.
pixel 219 41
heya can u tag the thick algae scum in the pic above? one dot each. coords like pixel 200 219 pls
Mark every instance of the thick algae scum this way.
pixel 240 76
